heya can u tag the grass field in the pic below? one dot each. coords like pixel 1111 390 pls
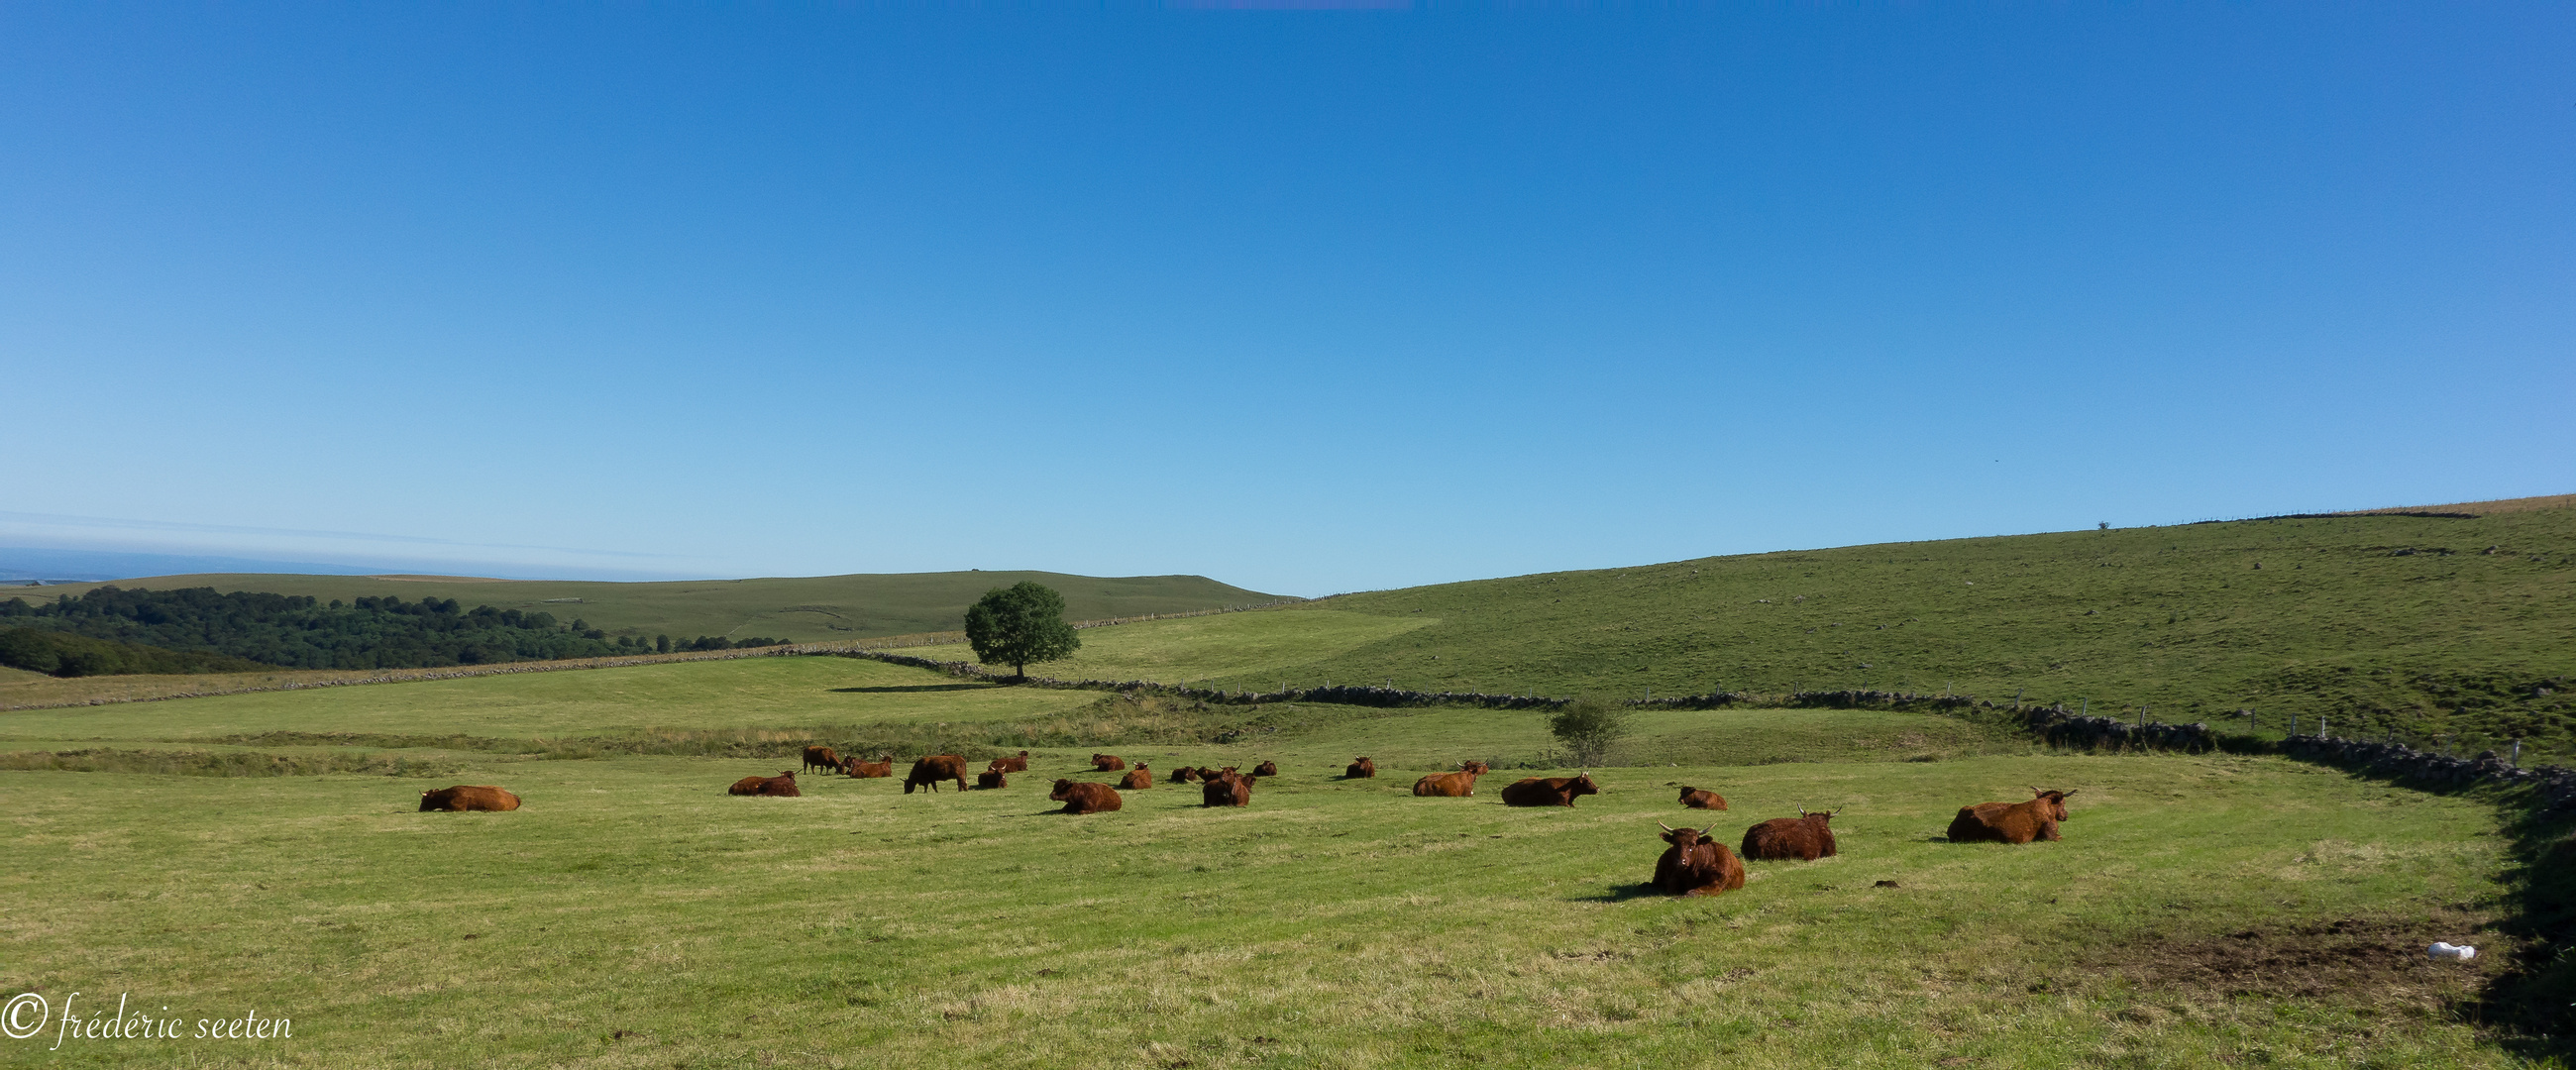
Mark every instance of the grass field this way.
pixel 804 609
pixel 2208 911
pixel 2179 620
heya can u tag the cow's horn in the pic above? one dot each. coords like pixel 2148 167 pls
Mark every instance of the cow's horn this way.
pixel 1703 833
pixel 2066 793
pixel 1659 824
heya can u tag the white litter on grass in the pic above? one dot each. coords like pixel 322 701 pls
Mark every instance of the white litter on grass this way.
pixel 2442 950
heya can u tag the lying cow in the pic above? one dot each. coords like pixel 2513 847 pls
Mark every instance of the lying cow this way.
pixel 820 758
pixel 1137 779
pixel 2021 822
pixel 1084 797
pixel 1549 791
pixel 1107 763
pixel 1360 770
pixel 1266 769
pixel 1017 763
pixel 867 770
pixel 465 797
pixel 1228 788
pixel 1695 864
pixel 1702 799
pixel 1446 785
pixel 782 786
pixel 1804 837
pixel 1182 774
pixel 991 779
pixel 929 771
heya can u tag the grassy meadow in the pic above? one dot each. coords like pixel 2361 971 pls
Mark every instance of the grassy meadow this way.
pixel 2202 911
pixel 803 609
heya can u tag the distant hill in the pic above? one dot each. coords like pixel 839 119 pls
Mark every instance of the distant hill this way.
pixel 804 609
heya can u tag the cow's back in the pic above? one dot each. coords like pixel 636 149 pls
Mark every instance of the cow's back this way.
pixel 463 797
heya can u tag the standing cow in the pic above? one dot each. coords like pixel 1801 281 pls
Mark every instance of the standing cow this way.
pixel 1695 864
pixel 464 797
pixel 1805 837
pixel 2022 822
pixel 820 758
pixel 1701 799
pixel 929 771
pixel 1549 791
pixel 1084 797
pixel 1360 770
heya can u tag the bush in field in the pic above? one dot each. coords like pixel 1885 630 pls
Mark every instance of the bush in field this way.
pixel 1020 624
pixel 1587 727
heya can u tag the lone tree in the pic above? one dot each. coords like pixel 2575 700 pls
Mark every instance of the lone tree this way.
pixel 1018 624
pixel 1587 727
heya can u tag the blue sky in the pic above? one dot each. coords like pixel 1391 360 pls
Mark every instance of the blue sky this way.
pixel 1308 301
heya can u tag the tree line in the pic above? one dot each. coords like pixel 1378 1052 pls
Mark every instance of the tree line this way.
pixel 301 632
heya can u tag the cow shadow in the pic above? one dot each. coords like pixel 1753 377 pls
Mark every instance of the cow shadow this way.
pixel 1621 893
pixel 908 689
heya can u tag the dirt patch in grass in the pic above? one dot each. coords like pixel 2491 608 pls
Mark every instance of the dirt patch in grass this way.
pixel 2376 959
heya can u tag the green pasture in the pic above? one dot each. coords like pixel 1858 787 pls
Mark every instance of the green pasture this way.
pixel 1233 646
pixel 800 608
pixel 2202 911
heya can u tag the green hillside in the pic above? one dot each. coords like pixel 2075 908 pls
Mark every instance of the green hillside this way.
pixel 2380 622
pixel 804 609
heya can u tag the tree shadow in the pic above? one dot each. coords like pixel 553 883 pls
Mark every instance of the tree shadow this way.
pixel 909 689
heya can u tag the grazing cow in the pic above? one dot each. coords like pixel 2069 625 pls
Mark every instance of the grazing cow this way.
pixel 1182 774
pixel 1228 788
pixel 2021 822
pixel 1360 770
pixel 1017 763
pixel 1476 767
pixel 1137 779
pixel 820 758
pixel 1107 763
pixel 929 771
pixel 468 797
pixel 865 769
pixel 1083 797
pixel 1457 785
pixel 1550 791
pixel 1695 864
pixel 782 786
pixel 1266 769
pixel 1804 837
pixel 990 779
pixel 1702 799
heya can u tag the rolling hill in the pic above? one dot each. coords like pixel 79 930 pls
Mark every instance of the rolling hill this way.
pixel 804 609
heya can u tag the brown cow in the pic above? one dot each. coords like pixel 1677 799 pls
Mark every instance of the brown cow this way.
pixel 1702 799
pixel 990 779
pixel 929 771
pixel 1107 763
pixel 782 786
pixel 1206 773
pixel 1182 774
pixel 1360 770
pixel 468 797
pixel 1228 788
pixel 1266 769
pixel 820 758
pixel 2022 822
pixel 1478 768
pixel 1551 791
pixel 866 770
pixel 1083 797
pixel 1446 785
pixel 1137 779
pixel 1804 837
pixel 1018 763
pixel 1695 864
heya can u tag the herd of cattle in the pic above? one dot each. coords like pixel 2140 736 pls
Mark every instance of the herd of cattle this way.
pixel 1694 864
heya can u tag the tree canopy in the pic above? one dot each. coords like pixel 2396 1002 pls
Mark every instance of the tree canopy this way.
pixel 1588 726
pixel 1018 625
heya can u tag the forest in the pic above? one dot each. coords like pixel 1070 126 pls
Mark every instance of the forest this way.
pixel 247 630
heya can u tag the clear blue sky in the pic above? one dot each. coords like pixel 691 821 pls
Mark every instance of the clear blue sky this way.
pixel 1307 301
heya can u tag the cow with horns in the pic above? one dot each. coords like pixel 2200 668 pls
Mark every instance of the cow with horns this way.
pixel 2021 822
pixel 1695 864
